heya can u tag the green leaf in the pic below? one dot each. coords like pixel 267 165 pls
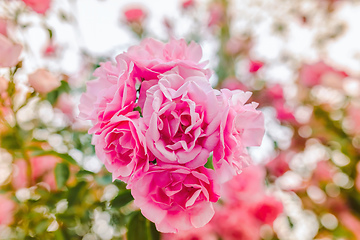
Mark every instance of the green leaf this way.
pixel 50 33
pixel 122 199
pixel 64 156
pixel 62 174
pixel 209 164
pixel 141 228
pixel 53 95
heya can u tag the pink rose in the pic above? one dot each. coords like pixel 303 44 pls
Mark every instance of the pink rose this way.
pixel 9 52
pixel 235 223
pixel 204 233
pixel 152 57
pixel 280 164
pixel 241 126
pixel 42 170
pixel 241 188
pixel 320 73
pixel 255 66
pixel 135 14
pixel 3 26
pixel 112 92
pixel 283 112
pixel 3 85
pixel 217 14
pixel 121 146
pixel 7 208
pixel 43 81
pixel 181 113
pixel 267 210
pixel 51 49
pixel 187 4
pixel 39 6
pixel 65 103
pixel 176 198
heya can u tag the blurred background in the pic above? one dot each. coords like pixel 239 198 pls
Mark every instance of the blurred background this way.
pixel 301 60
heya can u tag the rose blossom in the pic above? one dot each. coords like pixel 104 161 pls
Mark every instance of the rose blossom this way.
pixel 204 233
pixel 135 14
pixel 9 52
pixel 153 57
pixel 42 170
pixel 241 126
pixel 182 116
pixel 3 85
pixel 43 81
pixel 175 197
pixel 39 6
pixel 121 146
pixel 7 208
pixel 320 73
pixel 267 210
pixel 112 92
pixel 3 26
pixel 255 66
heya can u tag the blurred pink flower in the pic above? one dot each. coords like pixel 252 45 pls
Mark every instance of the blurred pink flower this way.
pixel 181 113
pixel 283 112
pixel 320 73
pixel 233 83
pixel 254 66
pixel 350 222
pixel 176 198
pixel 249 184
pixel 241 126
pixel 324 172
pixel 66 105
pixel 3 26
pixel 39 6
pixel 7 208
pixel 280 164
pixel 135 15
pixel 42 170
pixel 236 44
pixel 275 92
pixel 267 209
pixel 204 233
pixel 4 83
pixel 217 16
pixel 235 223
pixel 9 52
pixel 50 49
pixel 43 81
pixel 187 4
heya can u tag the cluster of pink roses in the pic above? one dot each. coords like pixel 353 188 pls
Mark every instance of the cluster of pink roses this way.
pixel 157 122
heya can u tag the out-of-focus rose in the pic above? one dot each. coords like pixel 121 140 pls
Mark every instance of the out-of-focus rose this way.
pixel 66 105
pixel 43 81
pixel 275 92
pixel 324 172
pixel 152 57
pixel 283 112
pixel 254 66
pixel 3 84
pixel 39 6
pixel 203 233
pixel 235 223
pixel 217 16
pixel 50 50
pixel 182 115
pixel 9 52
pixel 279 165
pixel 236 45
pixel 121 146
pixel 7 208
pixel 187 4
pixel 176 198
pixel 320 73
pixel 233 83
pixel 135 15
pixel 241 126
pixel 240 189
pixel 350 222
pixel 267 210
pixel 3 26
pixel 42 170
